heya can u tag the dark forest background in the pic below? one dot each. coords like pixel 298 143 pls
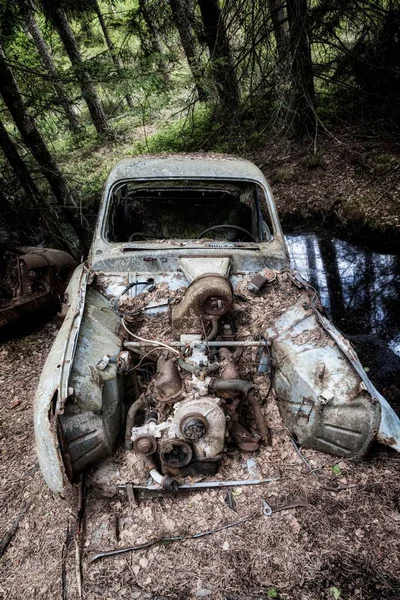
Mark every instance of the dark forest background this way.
pixel 86 82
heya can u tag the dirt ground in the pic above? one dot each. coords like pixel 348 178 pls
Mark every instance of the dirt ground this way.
pixel 344 538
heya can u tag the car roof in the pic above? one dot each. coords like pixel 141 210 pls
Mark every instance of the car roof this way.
pixel 182 166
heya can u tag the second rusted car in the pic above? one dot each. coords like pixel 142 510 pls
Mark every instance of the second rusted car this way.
pixel 31 279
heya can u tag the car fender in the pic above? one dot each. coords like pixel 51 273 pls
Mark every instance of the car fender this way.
pixel 53 384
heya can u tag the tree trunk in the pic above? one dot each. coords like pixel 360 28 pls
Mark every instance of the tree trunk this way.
pixel 302 67
pixel 89 93
pixel 110 45
pixel 188 41
pixel 30 134
pixel 8 216
pixel 276 8
pixel 48 62
pixel 19 167
pixel 48 216
pixel 154 40
pixel 220 54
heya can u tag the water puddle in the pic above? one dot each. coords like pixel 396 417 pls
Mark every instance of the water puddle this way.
pixel 360 292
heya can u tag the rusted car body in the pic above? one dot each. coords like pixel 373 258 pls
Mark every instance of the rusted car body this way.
pixel 188 283
pixel 32 279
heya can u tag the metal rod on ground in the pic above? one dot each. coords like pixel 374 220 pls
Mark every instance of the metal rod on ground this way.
pixel 303 458
pixel 203 484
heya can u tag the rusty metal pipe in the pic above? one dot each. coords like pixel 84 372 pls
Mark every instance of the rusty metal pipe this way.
pixel 235 385
pixel 213 332
pixel 164 481
pixel 231 385
pixel 130 421
pixel 261 424
pixel 212 344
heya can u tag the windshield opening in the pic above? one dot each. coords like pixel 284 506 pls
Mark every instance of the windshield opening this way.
pixel 187 210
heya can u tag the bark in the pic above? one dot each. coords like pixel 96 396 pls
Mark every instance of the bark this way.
pixel 89 93
pixel 188 41
pixel 220 54
pixel 277 12
pixel 154 40
pixel 110 45
pixel 48 216
pixel 302 67
pixel 48 62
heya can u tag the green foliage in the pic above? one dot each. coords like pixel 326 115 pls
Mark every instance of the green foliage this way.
pixel 184 135
pixel 336 470
pixel 272 593
pixel 355 60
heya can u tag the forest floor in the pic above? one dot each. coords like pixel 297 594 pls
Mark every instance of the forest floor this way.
pixel 334 532
pixel 349 181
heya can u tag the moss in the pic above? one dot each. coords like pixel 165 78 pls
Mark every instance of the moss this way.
pixel 383 158
pixel 355 206
pixel 283 175
pixel 314 161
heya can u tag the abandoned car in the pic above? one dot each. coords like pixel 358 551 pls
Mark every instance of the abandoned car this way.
pixel 183 319
pixel 31 279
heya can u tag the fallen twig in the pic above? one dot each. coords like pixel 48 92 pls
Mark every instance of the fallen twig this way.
pixel 78 531
pixel 67 543
pixel 195 536
pixel 9 534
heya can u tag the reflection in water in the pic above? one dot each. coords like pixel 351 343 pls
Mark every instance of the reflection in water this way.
pixel 360 291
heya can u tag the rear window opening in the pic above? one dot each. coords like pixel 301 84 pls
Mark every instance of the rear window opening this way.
pixel 187 210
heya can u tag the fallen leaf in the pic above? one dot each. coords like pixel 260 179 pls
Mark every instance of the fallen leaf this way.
pixel 335 592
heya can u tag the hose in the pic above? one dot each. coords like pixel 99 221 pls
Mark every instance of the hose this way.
pixel 231 385
pixel 214 330
pixel 130 421
pixel 151 342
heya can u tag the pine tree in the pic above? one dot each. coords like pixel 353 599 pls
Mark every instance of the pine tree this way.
pixel 47 60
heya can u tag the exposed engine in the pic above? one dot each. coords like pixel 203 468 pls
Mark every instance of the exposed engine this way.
pixel 192 406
